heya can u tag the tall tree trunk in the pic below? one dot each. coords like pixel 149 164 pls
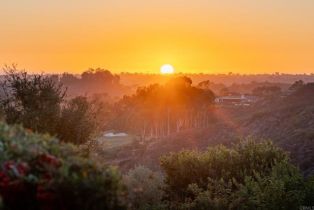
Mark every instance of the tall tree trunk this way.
pixel 168 122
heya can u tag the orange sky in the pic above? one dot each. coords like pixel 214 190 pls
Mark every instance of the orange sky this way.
pixel 209 36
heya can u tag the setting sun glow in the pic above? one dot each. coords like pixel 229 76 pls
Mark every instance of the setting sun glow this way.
pixel 213 36
pixel 166 69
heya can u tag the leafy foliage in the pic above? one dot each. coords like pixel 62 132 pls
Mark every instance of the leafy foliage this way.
pixel 79 120
pixel 159 110
pixel 38 172
pixel 38 103
pixel 288 122
pixel 32 100
pixel 248 176
pixel 94 81
pixel 144 188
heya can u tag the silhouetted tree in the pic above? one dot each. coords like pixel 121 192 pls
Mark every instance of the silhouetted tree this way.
pixel 296 85
pixel 93 81
pixel 99 75
pixel 159 110
pixel 31 100
pixel 37 102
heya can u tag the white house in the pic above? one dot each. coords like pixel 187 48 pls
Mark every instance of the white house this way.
pixel 236 100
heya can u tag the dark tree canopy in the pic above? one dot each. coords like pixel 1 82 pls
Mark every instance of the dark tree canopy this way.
pixel 38 103
pixel 93 81
pixel 159 110
pixel 296 85
pixel 99 75
pixel 32 100
pixel 79 120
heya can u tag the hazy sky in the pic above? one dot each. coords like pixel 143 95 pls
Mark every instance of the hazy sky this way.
pixel 210 36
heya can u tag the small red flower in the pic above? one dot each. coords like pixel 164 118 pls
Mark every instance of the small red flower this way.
pixel 8 165
pixel 49 160
pixel 19 169
pixel 23 168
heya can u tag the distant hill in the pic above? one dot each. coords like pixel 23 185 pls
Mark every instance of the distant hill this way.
pixel 140 79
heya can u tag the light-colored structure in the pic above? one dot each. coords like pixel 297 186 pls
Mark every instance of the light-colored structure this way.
pixel 236 100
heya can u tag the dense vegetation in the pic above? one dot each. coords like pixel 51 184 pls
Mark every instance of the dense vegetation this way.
pixel 159 110
pixel 38 172
pixel 38 103
pixel 94 81
pixel 247 176
pixel 287 120
pixel 145 188
pixel 33 101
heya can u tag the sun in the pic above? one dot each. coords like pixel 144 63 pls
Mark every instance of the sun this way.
pixel 166 69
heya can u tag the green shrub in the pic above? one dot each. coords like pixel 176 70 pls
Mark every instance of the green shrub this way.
pixel 248 176
pixel 38 172
pixel 217 163
pixel 144 188
pixel 309 192
pixel 283 188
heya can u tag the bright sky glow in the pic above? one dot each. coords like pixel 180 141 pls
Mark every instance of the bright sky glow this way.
pixel 209 36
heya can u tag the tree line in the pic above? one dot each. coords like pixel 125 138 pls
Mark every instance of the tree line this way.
pixel 159 110
pixel 93 81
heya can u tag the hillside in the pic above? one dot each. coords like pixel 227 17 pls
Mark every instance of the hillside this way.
pixel 289 122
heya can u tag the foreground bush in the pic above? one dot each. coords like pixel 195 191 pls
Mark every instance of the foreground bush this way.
pixel 248 176
pixel 145 188
pixel 37 172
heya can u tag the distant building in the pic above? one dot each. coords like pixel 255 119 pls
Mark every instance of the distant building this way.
pixel 236 100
